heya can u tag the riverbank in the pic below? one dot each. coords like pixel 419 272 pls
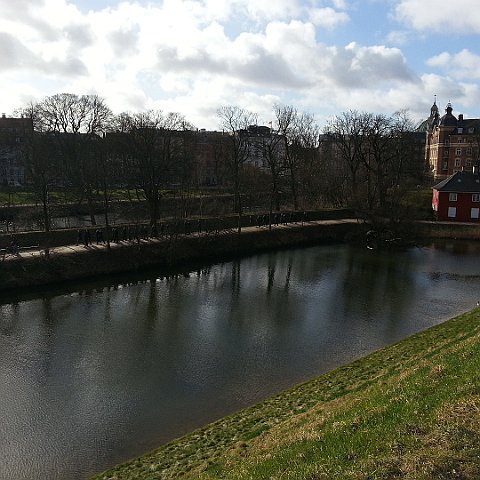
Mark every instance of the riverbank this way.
pixel 411 410
pixel 55 257
pixel 34 267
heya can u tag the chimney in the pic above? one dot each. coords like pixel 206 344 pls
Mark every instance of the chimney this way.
pixel 3 115
pixel 460 117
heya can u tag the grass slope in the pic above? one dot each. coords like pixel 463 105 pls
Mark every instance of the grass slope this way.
pixel 409 411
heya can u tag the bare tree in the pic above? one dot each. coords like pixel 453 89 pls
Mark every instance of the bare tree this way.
pixel 373 150
pixel 345 136
pixel 235 122
pixel 274 154
pixel 153 144
pixel 70 113
pixel 75 123
pixel 306 147
pixel 41 161
pixel 42 167
pixel 300 135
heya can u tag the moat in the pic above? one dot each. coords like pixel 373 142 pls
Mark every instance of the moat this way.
pixel 109 369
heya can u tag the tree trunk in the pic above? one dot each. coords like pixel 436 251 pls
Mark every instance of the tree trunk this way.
pixel 106 211
pixel 91 208
pixel 46 213
pixel 293 188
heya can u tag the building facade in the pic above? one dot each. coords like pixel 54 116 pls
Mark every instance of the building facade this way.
pixel 15 144
pixel 452 144
pixel 457 198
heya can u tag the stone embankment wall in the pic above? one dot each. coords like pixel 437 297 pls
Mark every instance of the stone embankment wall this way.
pixel 78 262
pixel 447 230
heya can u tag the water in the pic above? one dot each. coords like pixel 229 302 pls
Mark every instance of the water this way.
pixel 103 372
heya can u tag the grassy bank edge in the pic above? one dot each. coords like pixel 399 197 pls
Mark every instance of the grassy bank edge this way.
pixel 347 423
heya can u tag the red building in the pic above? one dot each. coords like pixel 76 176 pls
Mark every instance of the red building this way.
pixel 457 198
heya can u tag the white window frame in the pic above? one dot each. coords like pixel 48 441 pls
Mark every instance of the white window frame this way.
pixel 452 212
pixel 475 197
pixel 474 213
pixel 452 197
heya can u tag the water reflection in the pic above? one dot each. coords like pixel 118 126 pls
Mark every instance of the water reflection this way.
pixel 94 376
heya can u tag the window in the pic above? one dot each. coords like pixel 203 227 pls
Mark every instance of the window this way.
pixel 469 150
pixel 445 166
pixel 445 152
pixel 458 151
pixel 468 162
pixel 474 212
pixel 475 197
pixel 452 197
pixel 458 162
pixel 452 212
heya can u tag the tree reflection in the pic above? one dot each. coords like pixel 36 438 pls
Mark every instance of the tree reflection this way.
pixel 375 282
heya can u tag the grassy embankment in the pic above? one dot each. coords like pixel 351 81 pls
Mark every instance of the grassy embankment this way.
pixel 410 411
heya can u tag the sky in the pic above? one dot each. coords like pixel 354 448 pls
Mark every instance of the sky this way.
pixel 323 57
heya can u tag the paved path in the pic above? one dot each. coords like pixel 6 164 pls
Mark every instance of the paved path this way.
pixel 30 252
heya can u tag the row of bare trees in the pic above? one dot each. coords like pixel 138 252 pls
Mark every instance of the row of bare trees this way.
pixel 374 159
pixel 360 159
pixel 79 144
pixel 289 155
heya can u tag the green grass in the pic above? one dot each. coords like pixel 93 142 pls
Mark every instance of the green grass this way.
pixel 409 411
pixel 16 198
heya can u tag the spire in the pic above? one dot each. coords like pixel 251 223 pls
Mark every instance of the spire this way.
pixel 434 116
pixel 434 108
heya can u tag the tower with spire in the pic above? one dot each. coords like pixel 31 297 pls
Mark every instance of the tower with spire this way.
pixel 452 144
pixel 434 116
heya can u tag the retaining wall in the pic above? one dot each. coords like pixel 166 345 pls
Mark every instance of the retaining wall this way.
pixel 83 262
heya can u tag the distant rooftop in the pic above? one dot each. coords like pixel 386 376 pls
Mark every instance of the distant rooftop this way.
pixel 460 182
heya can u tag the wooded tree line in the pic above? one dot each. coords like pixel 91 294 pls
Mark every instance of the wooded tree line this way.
pixel 359 159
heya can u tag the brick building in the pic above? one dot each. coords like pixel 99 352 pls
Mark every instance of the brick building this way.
pixel 452 144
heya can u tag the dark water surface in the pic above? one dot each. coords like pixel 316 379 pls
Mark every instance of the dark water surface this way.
pixel 93 378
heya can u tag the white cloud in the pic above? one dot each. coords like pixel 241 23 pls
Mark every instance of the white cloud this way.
pixel 328 17
pixel 193 56
pixel 268 11
pixel 360 67
pixel 459 16
pixel 398 38
pixel 463 65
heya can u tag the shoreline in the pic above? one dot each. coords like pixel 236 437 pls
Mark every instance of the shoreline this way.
pixel 347 422
pixel 31 268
